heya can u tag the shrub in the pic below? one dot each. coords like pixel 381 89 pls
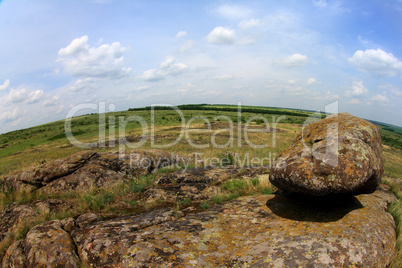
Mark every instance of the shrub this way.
pixel 217 199
pixel 185 202
pixel 138 184
pixel 97 200
pixel 204 205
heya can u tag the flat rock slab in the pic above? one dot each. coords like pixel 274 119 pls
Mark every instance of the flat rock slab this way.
pixel 88 169
pixel 252 231
pixel 255 231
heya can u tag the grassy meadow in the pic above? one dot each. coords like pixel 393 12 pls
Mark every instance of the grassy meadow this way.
pixel 209 130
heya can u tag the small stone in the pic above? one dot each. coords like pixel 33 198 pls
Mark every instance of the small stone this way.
pixel 86 219
pixel 68 224
pixel 48 245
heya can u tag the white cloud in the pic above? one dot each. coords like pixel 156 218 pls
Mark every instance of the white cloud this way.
pixel 295 60
pixel 222 36
pixel 224 77
pixel 320 3
pixel 377 61
pixel 181 34
pixel 364 41
pixel 142 88
pixel 35 96
pixel 247 24
pixel 380 98
pixel 167 68
pixel 354 101
pixel 187 46
pixel 234 12
pixel 358 89
pixel 51 100
pixel 5 85
pixel 84 84
pixel 393 89
pixel 312 81
pixel 105 61
pixel 23 95
pixel 9 116
pixel 17 95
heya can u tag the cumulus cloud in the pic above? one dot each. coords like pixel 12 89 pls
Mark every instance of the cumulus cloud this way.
pixel 226 36
pixel 181 34
pixel 222 36
pixel 9 116
pixel 379 98
pixel 312 81
pixel 187 46
pixel 142 88
pixel 35 96
pixel 167 68
pixel 17 95
pixel 51 100
pixel 84 84
pixel 224 77
pixel 5 85
pixel 234 11
pixel 105 61
pixel 355 101
pixel 247 24
pixel 320 3
pixel 358 89
pixel 393 89
pixel 295 60
pixel 377 61
pixel 23 95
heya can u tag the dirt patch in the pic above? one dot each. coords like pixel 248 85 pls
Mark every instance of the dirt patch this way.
pixel 4 146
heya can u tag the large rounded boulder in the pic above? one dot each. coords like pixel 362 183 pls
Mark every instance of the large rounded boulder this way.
pixel 341 154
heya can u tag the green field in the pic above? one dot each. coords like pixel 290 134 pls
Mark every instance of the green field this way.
pixel 193 129
pixel 28 147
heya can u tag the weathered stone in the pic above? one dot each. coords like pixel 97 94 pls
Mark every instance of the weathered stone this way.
pixel 209 175
pixel 254 231
pixel 338 154
pixel 14 216
pixel 195 184
pixel 44 174
pixel 249 231
pixel 48 245
pixel 103 244
pixel 86 219
pixel 53 205
pixel 15 256
pixel 86 170
pixel 68 224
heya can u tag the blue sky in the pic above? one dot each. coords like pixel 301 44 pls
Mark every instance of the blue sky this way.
pixel 55 55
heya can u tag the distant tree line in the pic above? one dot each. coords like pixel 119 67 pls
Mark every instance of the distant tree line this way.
pixel 207 107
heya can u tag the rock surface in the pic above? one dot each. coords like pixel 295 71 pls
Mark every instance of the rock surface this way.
pixel 338 154
pixel 87 169
pixel 196 184
pixel 252 231
pixel 48 245
pixel 13 216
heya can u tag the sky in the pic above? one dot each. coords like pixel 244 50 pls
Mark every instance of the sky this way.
pixel 57 55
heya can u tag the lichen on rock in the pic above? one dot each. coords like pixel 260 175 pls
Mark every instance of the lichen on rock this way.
pixel 336 155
